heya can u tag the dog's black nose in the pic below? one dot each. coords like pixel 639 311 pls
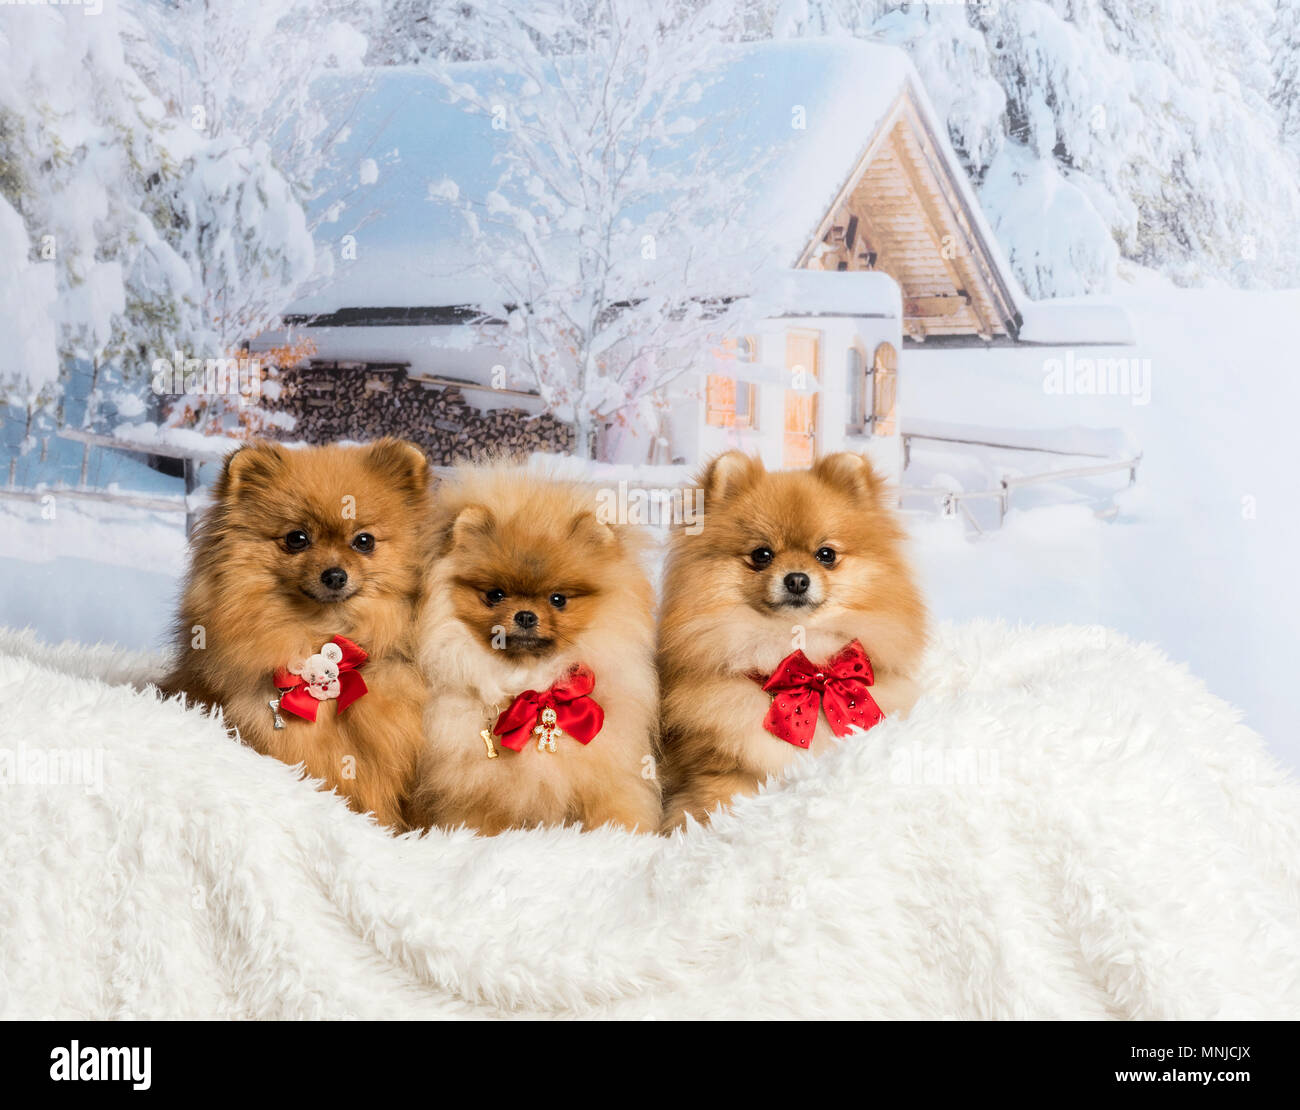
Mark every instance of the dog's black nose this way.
pixel 796 583
pixel 334 579
pixel 526 618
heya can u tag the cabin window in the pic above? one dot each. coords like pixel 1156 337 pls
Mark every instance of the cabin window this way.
pixel 730 402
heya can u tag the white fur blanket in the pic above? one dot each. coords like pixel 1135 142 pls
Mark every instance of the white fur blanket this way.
pixel 1067 826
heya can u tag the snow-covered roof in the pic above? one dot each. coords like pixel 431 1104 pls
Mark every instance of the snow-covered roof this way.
pixel 1076 320
pixel 802 110
pixel 824 293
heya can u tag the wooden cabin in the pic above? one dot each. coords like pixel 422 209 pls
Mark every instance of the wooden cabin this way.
pixel 873 234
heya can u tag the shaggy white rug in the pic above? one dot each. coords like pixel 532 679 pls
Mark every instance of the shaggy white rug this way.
pixel 1068 826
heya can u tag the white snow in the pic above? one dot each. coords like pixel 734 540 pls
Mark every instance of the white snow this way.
pixel 209 448
pixel 28 293
pixel 1068 320
pixel 826 293
pixel 1200 557
pixel 94 572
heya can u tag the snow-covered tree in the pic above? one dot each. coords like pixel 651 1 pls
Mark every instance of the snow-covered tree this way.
pixel 90 280
pixel 1105 129
pixel 247 72
pixel 406 31
pixel 1285 92
pixel 158 158
pixel 29 364
pixel 255 140
pixel 600 236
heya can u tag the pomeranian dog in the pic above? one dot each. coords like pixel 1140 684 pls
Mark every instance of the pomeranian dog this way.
pixel 790 617
pixel 297 618
pixel 537 642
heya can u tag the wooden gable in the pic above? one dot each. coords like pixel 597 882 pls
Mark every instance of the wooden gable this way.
pixel 903 212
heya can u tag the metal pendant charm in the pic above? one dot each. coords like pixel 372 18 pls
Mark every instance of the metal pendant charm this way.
pixel 274 703
pixel 492 752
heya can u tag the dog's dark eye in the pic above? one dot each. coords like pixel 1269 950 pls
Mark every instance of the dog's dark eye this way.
pixel 559 600
pixel 495 597
pixel 761 556
pixel 363 542
pixel 297 540
pixel 825 555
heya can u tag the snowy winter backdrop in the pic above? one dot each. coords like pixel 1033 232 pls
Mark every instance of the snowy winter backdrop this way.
pixel 162 164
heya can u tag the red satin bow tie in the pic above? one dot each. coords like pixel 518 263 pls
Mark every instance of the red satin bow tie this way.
pixel 839 688
pixel 576 712
pixel 294 697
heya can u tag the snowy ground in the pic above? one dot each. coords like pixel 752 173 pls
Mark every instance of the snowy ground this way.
pixel 1199 556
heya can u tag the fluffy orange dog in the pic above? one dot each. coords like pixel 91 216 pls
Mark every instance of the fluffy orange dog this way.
pixel 298 549
pixel 537 641
pixel 789 618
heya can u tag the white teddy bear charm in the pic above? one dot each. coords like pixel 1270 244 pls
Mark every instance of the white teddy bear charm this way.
pixel 329 675
pixel 320 678
pixel 320 672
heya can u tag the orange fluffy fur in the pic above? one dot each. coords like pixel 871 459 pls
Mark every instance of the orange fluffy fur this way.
pixel 723 618
pixel 525 537
pixel 260 605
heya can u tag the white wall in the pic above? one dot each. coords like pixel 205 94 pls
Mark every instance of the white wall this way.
pixel 694 439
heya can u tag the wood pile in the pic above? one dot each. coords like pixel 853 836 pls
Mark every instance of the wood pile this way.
pixel 363 402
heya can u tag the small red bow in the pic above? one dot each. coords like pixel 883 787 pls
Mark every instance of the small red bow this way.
pixel 294 697
pixel 575 712
pixel 840 686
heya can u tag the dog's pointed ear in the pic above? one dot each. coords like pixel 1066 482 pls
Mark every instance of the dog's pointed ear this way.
pixel 852 473
pixel 401 461
pixel 729 473
pixel 594 527
pixel 254 467
pixel 468 522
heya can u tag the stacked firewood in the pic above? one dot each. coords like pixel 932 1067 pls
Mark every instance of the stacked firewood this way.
pixel 363 403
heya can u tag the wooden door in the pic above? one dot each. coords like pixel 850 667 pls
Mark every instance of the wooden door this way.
pixel 884 401
pixel 802 352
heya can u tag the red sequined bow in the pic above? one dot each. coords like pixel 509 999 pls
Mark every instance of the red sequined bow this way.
pixel 294 697
pixel 839 688
pixel 576 712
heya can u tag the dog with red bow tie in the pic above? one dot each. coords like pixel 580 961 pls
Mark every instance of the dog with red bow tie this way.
pixel 789 620
pixel 537 643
